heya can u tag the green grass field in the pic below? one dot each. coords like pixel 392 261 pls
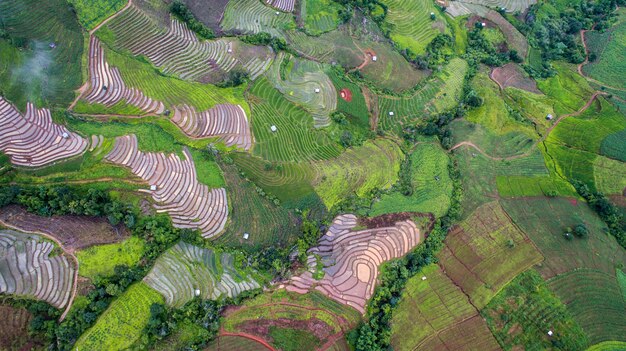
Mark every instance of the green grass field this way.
pixel 356 109
pixel 608 346
pixel 427 308
pixel 320 16
pixel 485 252
pixel 521 315
pixel 121 325
pixel 430 182
pixel 250 213
pixel 596 302
pixel 101 260
pixel 567 88
pixel 295 139
pixel 30 69
pixel 412 27
pixel 358 170
pixel 437 95
pixel 609 47
pixel 545 220
pixel 92 12
pixel 614 146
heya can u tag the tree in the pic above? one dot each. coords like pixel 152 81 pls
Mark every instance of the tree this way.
pixel 581 231
pixel 346 139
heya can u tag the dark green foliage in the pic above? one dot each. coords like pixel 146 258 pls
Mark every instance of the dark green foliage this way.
pixel 181 11
pixel 608 212
pixel 438 52
pixel 43 324
pixel 581 231
pixel 264 38
pixel 235 78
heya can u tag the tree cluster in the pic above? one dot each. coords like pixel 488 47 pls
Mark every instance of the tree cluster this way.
pixel 180 10
pixel 266 39
pixel 607 211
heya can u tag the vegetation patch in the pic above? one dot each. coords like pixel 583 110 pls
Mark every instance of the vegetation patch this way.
pixel 235 343
pixel 607 50
pixel 101 260
pixel 526 314
pixel 320 16
pixel 429 185
pixel 595 301
pixel 122 324
pixel 546 220
pixel 93 12
pixel 485 252
pixel 359 170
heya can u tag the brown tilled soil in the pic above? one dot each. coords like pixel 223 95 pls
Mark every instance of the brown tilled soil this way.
pixel 14 329
pixel 261 327
pixel 74 232
pixel 511 75
pixel 346 94
pixel 208 12
pixel 390 219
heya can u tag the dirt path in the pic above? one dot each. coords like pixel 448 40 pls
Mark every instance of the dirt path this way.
pixel 541 140
pixel 68 252
pixel 248 336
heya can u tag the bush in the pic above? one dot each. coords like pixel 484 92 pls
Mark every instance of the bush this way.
pixel 181 11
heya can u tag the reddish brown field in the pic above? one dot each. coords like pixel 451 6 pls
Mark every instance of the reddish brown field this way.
pixel 14 329
pixel 346 94
pixel 208 12
pixel 511 75
pixel 471 334
pixel 74 232
pixel 235 343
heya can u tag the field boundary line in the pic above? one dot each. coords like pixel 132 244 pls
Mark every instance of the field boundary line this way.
pixel 248 336
pixel 68 252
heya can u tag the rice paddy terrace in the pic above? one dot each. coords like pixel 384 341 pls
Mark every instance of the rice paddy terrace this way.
pixel 175 187
pixel 29 268
pixel 186 271
pixel 312 175
pixel 33 139
pixel 351 259
pixel 176 50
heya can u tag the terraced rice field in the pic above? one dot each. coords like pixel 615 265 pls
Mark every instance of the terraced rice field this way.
pixel 430 182
pixel 295 139
pixel 177 51
pixel 266 223
pixel 251 16
pixel 29 267
pixel 336 46
pixel 177 190
pixel 351 259
pixel 40 74
pixel 283 5
pixel 312 313
pixel 608 47
pixel 32 139
pixel 122 324
pixel 186 271
pixel 508 5
pixel 307 85
pixel 544 220
pixel 235 343
pixel 320 16
pixel 412 27
pixel 598 310
pixel 358 170
pixel 432 311
pixel 469 334
pixel 437 95
pixel 521 315
pixel 74 232
pixel 485 252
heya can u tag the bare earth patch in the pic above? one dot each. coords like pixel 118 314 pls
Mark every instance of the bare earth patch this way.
pixel 74 232
pixel 346 94
pixel 511 75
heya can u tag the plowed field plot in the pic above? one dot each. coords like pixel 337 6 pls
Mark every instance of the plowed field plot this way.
pixel 485 252
pixel 298 314
pixel 512 75
pixel 524 313
pixel 208 12
pixel 14 329
pixel 74 232
pixel 235 343
pixel 545 220
pixel 596 302
pixel 435 314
